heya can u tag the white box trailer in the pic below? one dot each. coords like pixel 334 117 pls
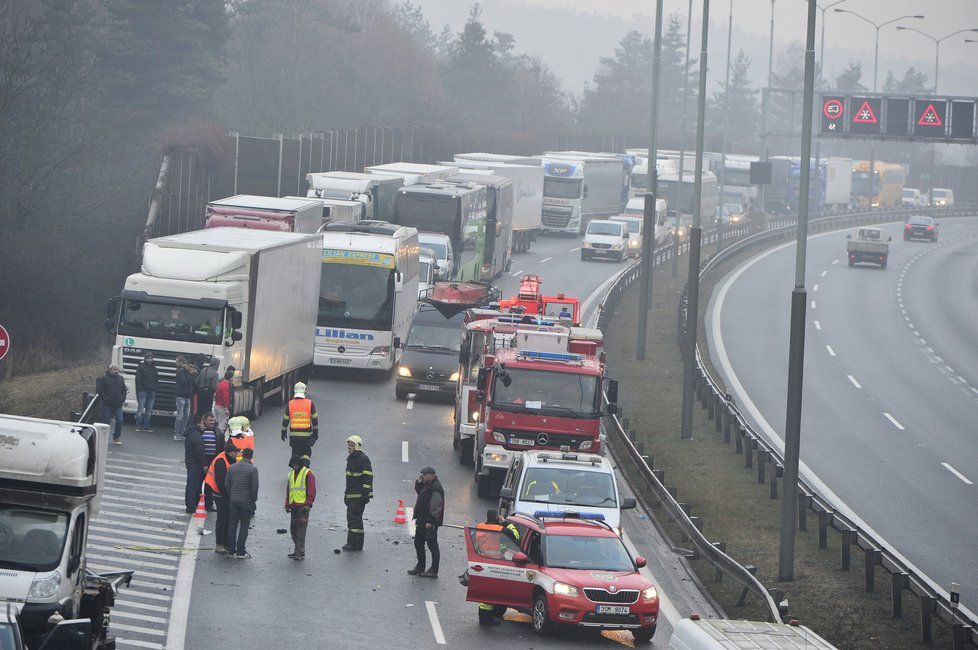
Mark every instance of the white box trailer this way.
pixel 246 298
pixel 414 172
pixel 837 175
pixel 376 192
pixel 577 190
pixel 338 209
pixel 286 214
pixel 527 193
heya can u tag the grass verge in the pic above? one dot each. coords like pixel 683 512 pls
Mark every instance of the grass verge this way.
pixel 735 509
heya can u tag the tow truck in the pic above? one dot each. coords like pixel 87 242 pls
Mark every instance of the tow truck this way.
pixel 538 385
pixel 530 300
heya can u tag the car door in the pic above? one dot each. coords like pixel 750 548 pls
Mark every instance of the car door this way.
pixel 492 577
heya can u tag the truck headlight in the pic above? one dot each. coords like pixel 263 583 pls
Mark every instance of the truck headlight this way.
pixel 584 446
pixel 454 376
pixel 474 416
pixel 633 243
pixel 403 371
pixel 564 589
pixel 585 244
pixel 650 594
pixel 498 437
pixel 45 587
pixel 382 350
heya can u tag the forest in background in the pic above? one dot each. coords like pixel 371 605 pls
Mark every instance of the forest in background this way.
pixel 93 91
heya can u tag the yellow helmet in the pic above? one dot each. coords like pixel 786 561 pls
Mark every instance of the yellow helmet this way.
pixel 234 423
pixel 356 440
pixel 243 422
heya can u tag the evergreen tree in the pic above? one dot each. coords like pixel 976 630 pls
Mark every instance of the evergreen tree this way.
pixel 913 83
pixel 619 98
pixel 735 106
pixel 673 74
pixel 850 79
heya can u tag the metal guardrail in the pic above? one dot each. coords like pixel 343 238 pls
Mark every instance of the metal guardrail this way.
pixel 727 417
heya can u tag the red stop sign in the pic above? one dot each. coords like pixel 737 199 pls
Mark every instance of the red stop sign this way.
pixel 4 341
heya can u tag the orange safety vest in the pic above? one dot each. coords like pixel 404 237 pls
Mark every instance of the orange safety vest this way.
pixel 488 545
pixel 210 479
pixel 300 416
pixel 241 443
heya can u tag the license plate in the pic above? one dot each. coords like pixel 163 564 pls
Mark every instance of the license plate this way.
pixel 613 609
pixel 426 387
pixel 340 362
pixel 529 442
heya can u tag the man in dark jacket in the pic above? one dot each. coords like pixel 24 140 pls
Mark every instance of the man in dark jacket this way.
pixel 241 485
pixel 196 460
pixel 111 387
pixel 429 511
pixel 185 389
pixel 146 380
pixel 206 385
pixel 359 491
pixel 213 441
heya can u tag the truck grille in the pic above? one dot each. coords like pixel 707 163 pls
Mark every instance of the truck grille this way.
pixel 551 440
pixel 600 245
pixel 166 366
pixel 556 217
pixel 626 596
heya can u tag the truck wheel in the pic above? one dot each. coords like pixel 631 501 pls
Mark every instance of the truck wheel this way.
pixel 541 617
pixel 644 634
pixel 465 451
pixel 883 264
pixel 584 258
pixel 483 485
pixel 400 393
pixel 851 263
pixel 258 395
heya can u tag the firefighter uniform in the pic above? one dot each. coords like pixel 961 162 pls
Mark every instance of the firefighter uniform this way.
pixel 488 545
pixel 359 491
pixel 299 497
pixel 300 424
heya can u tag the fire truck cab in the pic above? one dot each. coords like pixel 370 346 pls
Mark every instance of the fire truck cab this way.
pixel 530 300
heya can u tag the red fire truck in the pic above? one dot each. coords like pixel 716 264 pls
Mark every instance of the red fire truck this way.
pixel 529 300
pixel 528 384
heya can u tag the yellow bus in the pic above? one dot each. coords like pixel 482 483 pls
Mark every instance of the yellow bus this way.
pixel 885 190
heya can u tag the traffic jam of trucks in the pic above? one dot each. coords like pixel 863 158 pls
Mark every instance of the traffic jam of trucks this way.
pixel 524 374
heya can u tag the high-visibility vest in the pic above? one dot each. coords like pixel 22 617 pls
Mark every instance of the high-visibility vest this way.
pixel 488 545
pixel 210 479
pixel 297 486
pixel 300 417
pixel 241 443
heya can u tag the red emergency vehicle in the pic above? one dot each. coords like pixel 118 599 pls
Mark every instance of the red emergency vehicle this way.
pixel 566 568
pixel 530 300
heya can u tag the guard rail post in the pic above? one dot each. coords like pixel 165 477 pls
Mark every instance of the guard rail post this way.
pixel 718 410
pixel 727 418
pixel 762 457
pixel 803 501
pixel 749 447
pixel 870 558
pixel 846 548
pixel 898 582
pixel 739 440
pixel 926 609
pixel 824 519
pixel 751 569
pixel 777 471
pixel 718 575
pixel 959 634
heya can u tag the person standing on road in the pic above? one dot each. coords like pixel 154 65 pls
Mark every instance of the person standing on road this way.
pixel 195 458
pixel 429 511
pixel 359 492
pixel 213 441
pixel 146 380
pixel 111 388
pixel 300 424
pixel 299 494
pixel 241 486
pixel 490 545
pixel 222 399
pixel 216 474
pixel 184 395
pixel 240 434
pixel 207 385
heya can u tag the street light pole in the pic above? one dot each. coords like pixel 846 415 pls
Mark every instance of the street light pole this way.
pixel 726 109
pixel 821 75
pixel 682 145
pixel 937 45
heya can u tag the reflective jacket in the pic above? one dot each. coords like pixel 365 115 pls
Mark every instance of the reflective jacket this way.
pixel 300 418
pixel 217 472
pixel 300 489
pixel 359 478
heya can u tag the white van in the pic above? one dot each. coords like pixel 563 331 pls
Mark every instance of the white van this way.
pixel 605 238
pixel 441 244
pixel 566 482
pixel 694 633
pixel 427 267
pixel 942 197
pixel 911 198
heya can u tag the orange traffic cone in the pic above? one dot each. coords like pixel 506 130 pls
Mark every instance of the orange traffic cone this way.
pixel 400 517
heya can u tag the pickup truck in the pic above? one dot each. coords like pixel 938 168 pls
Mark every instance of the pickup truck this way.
pixel 869 246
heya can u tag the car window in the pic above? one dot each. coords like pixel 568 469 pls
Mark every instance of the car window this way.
pixel 441 251
pixel 568 486
pixel 586 552
pixel 493 544
pixel 923 221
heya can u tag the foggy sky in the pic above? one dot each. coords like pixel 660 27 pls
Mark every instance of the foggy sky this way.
pixel 847 37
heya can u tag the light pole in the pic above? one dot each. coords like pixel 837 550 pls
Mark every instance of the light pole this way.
pixel 770 50
pixel 726 109
pixel 937 45
pixel 682 144
pixel 876 47
pixel 821 42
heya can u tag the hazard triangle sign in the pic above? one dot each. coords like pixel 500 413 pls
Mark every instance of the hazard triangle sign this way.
pixel 865 115
pixel 930 117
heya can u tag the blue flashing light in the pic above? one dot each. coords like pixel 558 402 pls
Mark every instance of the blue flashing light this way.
pixel 551 356
pixel 559 514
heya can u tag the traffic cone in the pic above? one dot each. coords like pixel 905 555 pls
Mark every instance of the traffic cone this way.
pixel 400 517
pixel 201 509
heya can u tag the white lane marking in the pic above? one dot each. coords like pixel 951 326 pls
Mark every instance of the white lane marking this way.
pixel 957 473
pixel 815 288
pixel 435 625
pixel 894 421
pixel 854 382
pixel 835 261
pixel 830 350
pixel 515 273
pixel 824 273
pixel 813 304
pixel 404 451
pixel 574 250
pixel 546 259
pixel 141 630
pixel 176 632
pixel 137 643
pixel 410 401
pixel 818 325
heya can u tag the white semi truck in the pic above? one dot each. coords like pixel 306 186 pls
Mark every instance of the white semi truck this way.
pixel 377 193
pixel 51 479
pixel 579 188
pixel 244 297
pixel 413 173
pixel 288 214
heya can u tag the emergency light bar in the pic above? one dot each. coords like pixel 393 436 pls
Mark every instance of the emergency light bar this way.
pixel 518 319
pixel 558 514
pixel 550 356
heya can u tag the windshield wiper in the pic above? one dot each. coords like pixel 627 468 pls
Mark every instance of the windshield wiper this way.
pixel 9 564
pixel 562 409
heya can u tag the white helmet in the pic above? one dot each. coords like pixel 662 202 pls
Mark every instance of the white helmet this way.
pixel 299 390
pixel 356 440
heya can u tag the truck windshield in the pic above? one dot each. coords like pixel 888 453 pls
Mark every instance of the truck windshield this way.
pixel 549 393
pixel 739 177
pixel 861 185
pixel 356 296
pixel 430 212
pixel 173 322
pixel 556 188
pixel 667 190
pixel 568 487
pixel 435 337
pixel 31 539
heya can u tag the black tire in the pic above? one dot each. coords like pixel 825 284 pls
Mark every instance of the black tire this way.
pixel 644 634
pixel 483 485
pixel 540 616
pixel 258 392
pixel 400 393
pixel 584 258
pixel 466 447
pixel 851 263
pixel 883 264
pixel 622 257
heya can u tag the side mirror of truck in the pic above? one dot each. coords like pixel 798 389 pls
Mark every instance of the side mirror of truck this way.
pixel 480 383
pixel 397 342
pixel 236 320
pixel 236 336
pixel 584 193
pixel 110 326
pixel 628 503
pixel 612 390
pixel 73 562
pixel 398 281
pixel 463 357
pixel 112 307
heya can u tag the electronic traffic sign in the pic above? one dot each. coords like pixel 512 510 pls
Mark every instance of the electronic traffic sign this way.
pixel 865 115
pixel 886 117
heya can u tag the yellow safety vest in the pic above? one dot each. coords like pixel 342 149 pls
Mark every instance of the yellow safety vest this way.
pixel 297 486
